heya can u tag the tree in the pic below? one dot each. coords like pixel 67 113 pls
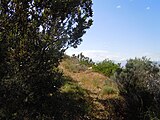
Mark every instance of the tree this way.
pixel 33 37
pixel 139 84
pixel 106 67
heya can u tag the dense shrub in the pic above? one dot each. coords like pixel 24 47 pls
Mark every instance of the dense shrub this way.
pixel 107 90
pixel 106 67
pixel 83 60
pixel 110 87
pixel 72 64
pixel 139 83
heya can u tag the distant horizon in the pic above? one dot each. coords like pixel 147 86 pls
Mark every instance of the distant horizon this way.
pixel 102 55
pixel 98 59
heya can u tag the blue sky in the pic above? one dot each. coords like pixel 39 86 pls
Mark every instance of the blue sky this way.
pixel 122 29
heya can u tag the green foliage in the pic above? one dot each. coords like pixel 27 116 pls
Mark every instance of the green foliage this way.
pixel 75 99
pixel 106 67
pixel 110 87
pixel 85 60
pixel 107 90
pixel 33 37
pixel 72 88
pixel 139 84
pixel 77 63
pixel 73 64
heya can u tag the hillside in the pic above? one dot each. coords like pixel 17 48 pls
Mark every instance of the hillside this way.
pixel 101 91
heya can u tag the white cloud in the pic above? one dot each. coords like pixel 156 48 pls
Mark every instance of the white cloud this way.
pixel 153 56
pixel 118 6
pixel 148 8
pixel 98 55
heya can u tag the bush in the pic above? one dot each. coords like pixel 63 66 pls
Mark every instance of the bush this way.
pixel 139 83
pixel 73 65
pixel 106 67
pixel 110 87
pixel 108 90
pixel 85 60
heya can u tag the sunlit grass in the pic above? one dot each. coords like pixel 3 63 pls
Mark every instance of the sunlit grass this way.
pixel 96 87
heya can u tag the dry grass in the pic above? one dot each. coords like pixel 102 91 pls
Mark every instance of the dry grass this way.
pixel 101 89
pixel 94 82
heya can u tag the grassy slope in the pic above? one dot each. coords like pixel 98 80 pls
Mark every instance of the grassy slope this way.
pixel 103 93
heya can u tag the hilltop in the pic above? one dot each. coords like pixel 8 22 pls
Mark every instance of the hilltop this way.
pixel 103 94
pixel 113 92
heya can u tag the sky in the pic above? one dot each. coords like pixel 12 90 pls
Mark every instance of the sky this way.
pixel 122 29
